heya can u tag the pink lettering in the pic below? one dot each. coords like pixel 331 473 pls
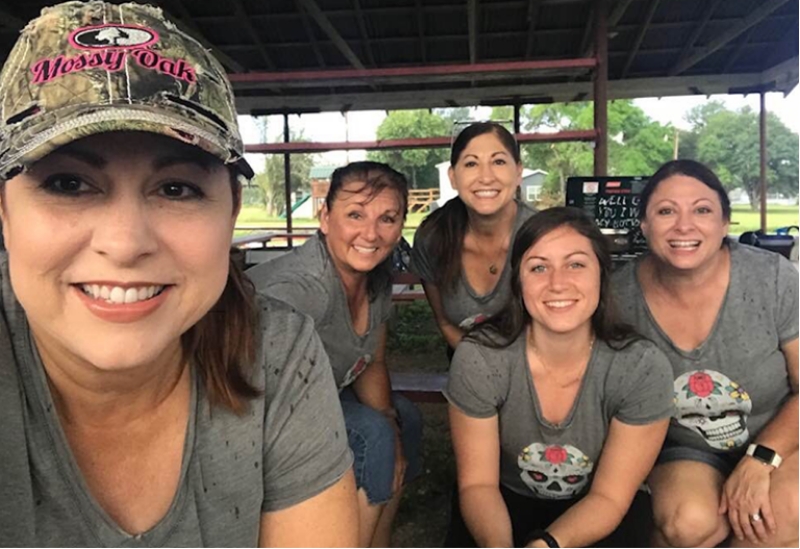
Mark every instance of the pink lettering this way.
pixel 45 70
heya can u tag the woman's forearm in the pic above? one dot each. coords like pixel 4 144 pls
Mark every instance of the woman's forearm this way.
pixel 486 516
pixel 451 334
pixel 374 388
pixel 780 434
pixel 588 521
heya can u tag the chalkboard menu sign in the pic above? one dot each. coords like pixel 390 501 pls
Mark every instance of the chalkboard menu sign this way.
pixel 613 202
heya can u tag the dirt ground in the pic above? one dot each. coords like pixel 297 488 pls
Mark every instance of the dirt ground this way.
pixel 415 345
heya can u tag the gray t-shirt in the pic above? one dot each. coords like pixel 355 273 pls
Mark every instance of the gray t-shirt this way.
pixel 290 445
pixel 463 307
pixel 730 386
pixel 306 279
pixel 541 459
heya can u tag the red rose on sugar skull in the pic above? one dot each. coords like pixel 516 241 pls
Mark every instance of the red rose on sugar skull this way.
pixel 555 454
pixel 701 384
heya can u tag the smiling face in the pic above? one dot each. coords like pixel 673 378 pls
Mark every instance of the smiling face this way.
pixel 684 224
pixel 486 175
pixel 361 228
pixel 560 280
pixel 118 244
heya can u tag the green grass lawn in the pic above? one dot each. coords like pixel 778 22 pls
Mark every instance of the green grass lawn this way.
pixel 746 219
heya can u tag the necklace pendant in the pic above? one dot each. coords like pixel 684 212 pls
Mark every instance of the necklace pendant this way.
pixel 493 269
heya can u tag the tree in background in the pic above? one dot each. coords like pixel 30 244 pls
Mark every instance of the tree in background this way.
pixel 270 181
pixel 728 142
pixel 418 165
pixel 637 144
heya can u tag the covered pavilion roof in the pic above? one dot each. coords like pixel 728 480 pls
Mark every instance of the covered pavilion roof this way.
pixel 338 55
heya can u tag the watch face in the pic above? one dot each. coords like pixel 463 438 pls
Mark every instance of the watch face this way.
pixel 764 454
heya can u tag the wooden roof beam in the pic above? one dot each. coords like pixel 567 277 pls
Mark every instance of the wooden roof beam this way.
pixel 310 34
pixel 755 17
pixel 421 31
pixel 324 23
pixel 184 19
pixel 362 28
pixel 619 10
pixel 651 10
pixel 533 15
pixel 472 25
pixel 244 21
pixel 698 30
pixel 737 51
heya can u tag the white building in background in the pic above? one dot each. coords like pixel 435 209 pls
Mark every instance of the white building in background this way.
pixel 531 187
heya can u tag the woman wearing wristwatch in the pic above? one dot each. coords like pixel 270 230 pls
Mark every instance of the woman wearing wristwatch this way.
pixel 725 314
pixel 557 411
pixel 341 278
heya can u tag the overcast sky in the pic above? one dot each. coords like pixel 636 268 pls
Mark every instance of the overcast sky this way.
pixel 362 124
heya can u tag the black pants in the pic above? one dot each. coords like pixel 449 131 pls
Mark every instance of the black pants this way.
pixel 528 514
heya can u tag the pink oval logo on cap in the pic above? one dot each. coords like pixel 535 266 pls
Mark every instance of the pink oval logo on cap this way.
pixel 113 36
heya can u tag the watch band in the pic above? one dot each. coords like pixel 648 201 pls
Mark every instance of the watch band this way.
pixel 764 454
pixel 543 535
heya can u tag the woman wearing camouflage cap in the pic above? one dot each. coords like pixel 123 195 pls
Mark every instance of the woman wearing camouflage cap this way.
pixel 148 398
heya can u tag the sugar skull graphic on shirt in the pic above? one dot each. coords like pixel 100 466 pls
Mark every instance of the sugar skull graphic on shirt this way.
pixel 714 407
pixel 356 370
pixel 472 321
pixel 554 471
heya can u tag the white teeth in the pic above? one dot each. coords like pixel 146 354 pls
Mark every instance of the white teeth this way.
pixel 119 295
pixel 365 250
pixel 487 194
pixel 559 304
pixel 684 243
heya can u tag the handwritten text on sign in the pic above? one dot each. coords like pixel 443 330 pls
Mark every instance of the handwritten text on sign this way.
pixel 618 211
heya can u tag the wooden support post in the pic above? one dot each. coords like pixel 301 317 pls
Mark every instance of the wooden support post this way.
pixel 601 88
pixel 516 118
pixel 287 178
pixel 762 135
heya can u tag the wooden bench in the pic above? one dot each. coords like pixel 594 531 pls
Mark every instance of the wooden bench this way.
pixel 420 386
pixel 406 295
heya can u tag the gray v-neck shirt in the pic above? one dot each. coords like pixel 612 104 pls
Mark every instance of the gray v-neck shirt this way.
pixel 541 459
pixel 734 382
pixel 288 446
pixel 306 279
pixel 463 306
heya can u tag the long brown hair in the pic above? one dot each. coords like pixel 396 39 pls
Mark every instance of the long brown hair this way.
pixel 504 327
pixel 446 227
pixel 223 344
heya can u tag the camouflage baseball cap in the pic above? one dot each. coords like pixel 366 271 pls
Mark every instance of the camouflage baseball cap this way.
pixel 83 68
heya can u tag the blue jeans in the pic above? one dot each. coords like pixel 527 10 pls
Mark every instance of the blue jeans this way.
pixel 371 438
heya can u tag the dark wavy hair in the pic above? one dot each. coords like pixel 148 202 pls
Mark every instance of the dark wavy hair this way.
pixel 446 227
pixel 375 177
pixel 689 168
pixel 504 327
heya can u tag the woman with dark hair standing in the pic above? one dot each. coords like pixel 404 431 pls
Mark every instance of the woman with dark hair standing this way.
pixel 549 397
pixel 461 250
pixel 147 397
pixel 725 314
pixel 342 279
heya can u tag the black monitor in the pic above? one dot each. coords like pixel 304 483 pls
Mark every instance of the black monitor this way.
pixel 613 203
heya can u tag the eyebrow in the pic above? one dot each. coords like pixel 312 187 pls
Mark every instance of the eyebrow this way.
pixel 184 157
pixel 200 161
pixel 86 157
pixel 493 154
pixel 579 252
